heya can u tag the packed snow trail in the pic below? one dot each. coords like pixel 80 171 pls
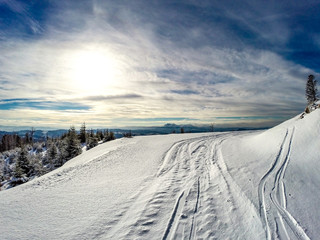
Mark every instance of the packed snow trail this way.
pixel 272 197
pixel 205 202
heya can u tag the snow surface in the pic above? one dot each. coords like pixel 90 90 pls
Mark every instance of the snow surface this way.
pixel 236 185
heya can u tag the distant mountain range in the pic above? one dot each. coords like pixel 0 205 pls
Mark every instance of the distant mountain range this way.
pixel 42 133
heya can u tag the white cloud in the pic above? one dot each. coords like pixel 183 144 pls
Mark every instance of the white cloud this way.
pixel 231 82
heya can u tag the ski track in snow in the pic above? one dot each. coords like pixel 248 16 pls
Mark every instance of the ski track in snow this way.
pixel 193 180
pixel 273 200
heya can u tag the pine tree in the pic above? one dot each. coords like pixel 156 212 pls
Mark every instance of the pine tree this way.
pixel 212 127
pixel 22 163
pixel 108 136
pixel 60 160
pixel 18 172
pixel 91 133
pixel 83 134
pixel 52 154
pixel 73 147
pixel 311 90
pixel 92 142
pixel 27 138
pixel 36 166
pixel 99 135
pixel 62 153
pixel 52 151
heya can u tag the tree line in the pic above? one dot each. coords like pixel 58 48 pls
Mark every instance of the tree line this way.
pixel 11 141
pixel 22 159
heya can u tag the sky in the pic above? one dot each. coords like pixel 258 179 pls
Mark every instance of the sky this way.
pixel 148 62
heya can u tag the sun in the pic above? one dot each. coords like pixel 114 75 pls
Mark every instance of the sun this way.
pixel 94 71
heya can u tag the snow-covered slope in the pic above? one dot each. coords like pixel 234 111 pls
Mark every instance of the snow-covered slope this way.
pixel 279 171
pixel 248 185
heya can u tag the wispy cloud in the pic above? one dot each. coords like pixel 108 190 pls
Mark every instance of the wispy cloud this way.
pixel 19 17
pixel 112 97
pixel 40 104
pixel 153 120
pixel 165 60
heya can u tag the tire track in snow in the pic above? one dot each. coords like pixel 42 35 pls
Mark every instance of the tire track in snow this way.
pixel 274 214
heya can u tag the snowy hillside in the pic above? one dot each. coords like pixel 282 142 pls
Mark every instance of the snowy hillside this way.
pixel 236 185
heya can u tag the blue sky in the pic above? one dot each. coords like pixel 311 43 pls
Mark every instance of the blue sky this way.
pixel 130 63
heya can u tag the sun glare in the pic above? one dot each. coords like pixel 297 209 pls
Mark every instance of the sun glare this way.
pixel 94 71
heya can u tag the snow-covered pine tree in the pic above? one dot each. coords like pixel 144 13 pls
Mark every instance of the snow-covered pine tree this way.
pixel 92 142
pixel 73 144
pixel 52 154
pixel 311 90
pixel 36 166
pixel 22 163
pixel 62 153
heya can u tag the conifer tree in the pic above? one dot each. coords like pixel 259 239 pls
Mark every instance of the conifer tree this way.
pixel 27 138
pixel 212 127
pixel 83 134
pixel 92 142
pixel 52 151
pixel 73 147
pixel 108 136
pixel 36 166
pixel 99 135
pixel 22 163
pixel 91 133
pixel 18 172
pixel 311 90
pixel 52 155
pixel 61 156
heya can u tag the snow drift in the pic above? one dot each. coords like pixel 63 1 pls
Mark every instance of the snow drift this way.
pixel 236 185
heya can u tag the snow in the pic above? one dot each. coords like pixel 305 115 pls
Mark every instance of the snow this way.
pixel 235 185
pixel 283 165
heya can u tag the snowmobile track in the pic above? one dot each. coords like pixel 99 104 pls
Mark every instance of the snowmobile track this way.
pixel 192 196
pixel 273 200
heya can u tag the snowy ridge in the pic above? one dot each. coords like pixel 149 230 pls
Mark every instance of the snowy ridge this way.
pixel 236 185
